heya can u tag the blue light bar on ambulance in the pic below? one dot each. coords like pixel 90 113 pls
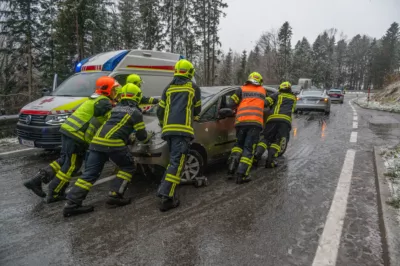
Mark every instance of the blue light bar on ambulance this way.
pixel 114 61
pixel 80 64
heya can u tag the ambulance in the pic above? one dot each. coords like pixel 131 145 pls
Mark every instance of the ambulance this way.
pixel 39 121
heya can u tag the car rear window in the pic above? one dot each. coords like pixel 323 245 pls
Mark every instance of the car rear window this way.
pixel 335 91
pixel 312 93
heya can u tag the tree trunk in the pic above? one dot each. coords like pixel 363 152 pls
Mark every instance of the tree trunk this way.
pixel 205 42
pixel 29 48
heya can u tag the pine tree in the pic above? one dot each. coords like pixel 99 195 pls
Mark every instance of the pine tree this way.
pixel 129 23
pixel 301 67
pixel 284 61
pixel 390 51
pixel 226 77
pixel 151 31
pixel 241 75
pixel 340 60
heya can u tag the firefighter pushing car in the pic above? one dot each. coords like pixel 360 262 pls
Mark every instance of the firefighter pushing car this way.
pixel 77 132
pixel 278 125
pixel 110 142
pixel 180 104
pixel 250 100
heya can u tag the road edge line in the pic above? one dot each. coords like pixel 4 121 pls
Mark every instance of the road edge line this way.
pixel 390 249
pixel 24 152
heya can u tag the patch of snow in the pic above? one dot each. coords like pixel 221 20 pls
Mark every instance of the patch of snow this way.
pixel 390 107
pixel 7 141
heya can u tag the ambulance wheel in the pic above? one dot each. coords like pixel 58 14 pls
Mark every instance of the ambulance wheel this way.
pixel 194 166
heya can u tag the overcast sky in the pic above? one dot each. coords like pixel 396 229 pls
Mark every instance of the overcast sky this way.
pixel 246 19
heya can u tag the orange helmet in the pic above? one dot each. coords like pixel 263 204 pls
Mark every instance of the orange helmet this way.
pixel 105 85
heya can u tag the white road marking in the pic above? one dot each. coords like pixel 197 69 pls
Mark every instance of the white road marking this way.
pixel 355 118
pixel 11 152
pixel 103 180
pixel 355 124
pixel 329 242
pixel 353 137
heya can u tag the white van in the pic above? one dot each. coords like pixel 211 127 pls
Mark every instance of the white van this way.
pixel 39 121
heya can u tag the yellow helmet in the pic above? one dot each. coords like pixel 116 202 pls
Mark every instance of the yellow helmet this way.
pixel 184 68
pixel 135 79
pixel 255 78
pixel 285 85
pixel 131 92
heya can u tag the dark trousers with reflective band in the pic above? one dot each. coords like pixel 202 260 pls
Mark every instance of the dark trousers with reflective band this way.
pixel 247 139
pixel 73 153
pixel 178 150
pixel 93 168
pixel 277 130
pixel 268 135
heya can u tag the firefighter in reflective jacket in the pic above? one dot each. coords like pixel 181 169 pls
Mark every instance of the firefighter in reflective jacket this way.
pixel 76 134
pixel 137 80
pixel 279 123
pixel 180 104
pixel 110 142
pixel 250 99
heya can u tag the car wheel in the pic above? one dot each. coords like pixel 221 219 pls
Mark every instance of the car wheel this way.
pixel 341 102
pixel 194 166
pixel 284 143
pixel 327 112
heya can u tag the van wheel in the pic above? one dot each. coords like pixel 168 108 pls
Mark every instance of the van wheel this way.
pixel 194 166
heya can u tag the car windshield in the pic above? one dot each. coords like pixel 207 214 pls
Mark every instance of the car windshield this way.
pixel 79 85
pixel 312 93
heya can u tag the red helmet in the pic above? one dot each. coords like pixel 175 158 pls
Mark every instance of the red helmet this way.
pixel 105 85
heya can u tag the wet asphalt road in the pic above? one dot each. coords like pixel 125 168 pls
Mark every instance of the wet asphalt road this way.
pixel 277 219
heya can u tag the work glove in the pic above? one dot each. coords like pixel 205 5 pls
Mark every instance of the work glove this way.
pixel 196 118
pixel 132 139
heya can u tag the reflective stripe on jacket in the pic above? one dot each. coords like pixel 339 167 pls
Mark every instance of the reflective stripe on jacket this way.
pixel 114 133
pixel 283 107
pixel 76 125
pixel 251 101
pixel 180 104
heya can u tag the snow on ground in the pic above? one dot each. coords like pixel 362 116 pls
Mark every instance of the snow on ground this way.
pixel 390 107
pixel 7 141
pixel 391 158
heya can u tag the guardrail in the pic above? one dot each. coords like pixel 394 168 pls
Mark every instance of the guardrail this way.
pixel 7 125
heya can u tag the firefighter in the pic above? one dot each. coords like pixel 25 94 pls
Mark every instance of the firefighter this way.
pixel 110 142
pixel 250 103
pixel 180 104
pixel 76 133
pixel 137 80
pixel 279 122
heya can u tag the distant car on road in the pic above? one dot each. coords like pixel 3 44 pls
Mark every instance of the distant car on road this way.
pixel 313 100
pixel 336 95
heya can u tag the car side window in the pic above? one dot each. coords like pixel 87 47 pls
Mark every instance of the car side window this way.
pixel 210 114
pixel 225 99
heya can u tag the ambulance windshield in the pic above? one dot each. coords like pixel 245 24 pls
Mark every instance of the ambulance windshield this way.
pixel 79 85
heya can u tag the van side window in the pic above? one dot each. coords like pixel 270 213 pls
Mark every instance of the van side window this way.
pixel 121 78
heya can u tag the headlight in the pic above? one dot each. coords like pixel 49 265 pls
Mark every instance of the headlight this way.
pixel 56 119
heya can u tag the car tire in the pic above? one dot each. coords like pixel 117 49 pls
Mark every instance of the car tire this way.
pixel 341 102
pixel 194 166
pixel 327 112
pixel 287 138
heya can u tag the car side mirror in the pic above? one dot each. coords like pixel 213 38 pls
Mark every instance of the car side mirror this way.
pixel 225 112
pixel 46 92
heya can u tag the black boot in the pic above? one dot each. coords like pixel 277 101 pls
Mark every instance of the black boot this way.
pixel 272 163
pixel 72 209
pixel 35 184
pixel 55 198
pixel 168 203
pixel 117 200
pixel 241 179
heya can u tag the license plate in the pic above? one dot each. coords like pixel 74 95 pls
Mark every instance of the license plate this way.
pixel 305 101
pixel 29 143
pixel 337 96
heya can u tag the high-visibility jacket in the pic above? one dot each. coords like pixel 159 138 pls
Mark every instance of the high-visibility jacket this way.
pixel 180 104
pixel 114 133
pixel 80 121
pixel 251 101
pixel 282 107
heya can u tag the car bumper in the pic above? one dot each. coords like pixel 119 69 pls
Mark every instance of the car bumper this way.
pixel 45 137
pixel 150 154
pixel 312 107
pixel 337 99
